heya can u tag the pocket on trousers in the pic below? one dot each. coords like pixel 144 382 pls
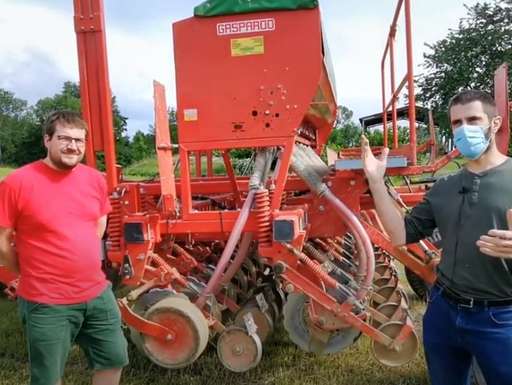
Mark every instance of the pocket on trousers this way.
pixel 25 308
pixel 21 309
pixel 31 307
pixel 110 305
pixel 501 316
pixel 433 294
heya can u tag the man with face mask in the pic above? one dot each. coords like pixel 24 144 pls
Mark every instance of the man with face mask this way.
pixel 469 314
pixel 55 211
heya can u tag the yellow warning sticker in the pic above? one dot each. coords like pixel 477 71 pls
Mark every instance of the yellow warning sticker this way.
pixel 190 114
pixel 254 45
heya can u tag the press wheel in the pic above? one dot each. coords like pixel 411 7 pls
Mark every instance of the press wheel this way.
pixel 395 357
pixel 190 328
pixel 142 304
pixel 237 350
pixel 296 322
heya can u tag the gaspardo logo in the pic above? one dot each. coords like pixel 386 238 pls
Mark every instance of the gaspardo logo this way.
pixel 246 26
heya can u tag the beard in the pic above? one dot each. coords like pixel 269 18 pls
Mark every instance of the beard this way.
pixel 65 160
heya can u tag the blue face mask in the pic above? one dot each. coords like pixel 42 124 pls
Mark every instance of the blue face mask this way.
pixel 471 141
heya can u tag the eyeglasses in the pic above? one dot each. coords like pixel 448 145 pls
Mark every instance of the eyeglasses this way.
pixel 67 140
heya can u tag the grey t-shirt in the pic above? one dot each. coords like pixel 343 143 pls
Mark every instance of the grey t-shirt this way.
pixel 465 206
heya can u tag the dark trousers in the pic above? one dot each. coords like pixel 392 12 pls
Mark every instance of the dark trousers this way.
pixel 453 335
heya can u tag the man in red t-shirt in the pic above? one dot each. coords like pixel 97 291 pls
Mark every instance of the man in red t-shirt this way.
pixel 55 212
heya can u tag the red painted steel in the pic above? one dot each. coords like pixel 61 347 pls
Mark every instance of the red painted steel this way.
pixel 164 149
pixel 504 107
pixel 234 237
pixel 411 95
pixel 142 325
pixel 95 93
pixel 261 97
pixel 408 80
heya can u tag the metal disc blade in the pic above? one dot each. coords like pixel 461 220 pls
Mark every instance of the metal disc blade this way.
pixel 382 270
pixel 391 311
pixel 297 325
pixel 391 293
pixel 385 281
pixel 405 352
pixel 263 320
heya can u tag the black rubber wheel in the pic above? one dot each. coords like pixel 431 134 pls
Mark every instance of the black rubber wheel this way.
pixel 417 284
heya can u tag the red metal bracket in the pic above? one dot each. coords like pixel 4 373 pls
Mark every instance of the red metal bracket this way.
pixel 93 23
pixel 143 325
pixel 503 105
pixel 407 80
pixel 426 270
pixel 95 96
pixel 164 149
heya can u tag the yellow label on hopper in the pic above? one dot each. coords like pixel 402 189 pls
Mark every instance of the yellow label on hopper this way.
pixel 190 114
pixel 248 46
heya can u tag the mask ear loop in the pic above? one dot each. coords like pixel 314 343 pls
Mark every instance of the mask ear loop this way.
pixel 492 132
pixel 488 137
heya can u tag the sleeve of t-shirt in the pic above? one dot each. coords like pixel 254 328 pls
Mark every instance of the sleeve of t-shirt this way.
pixel 420 222
pixel 105 207
pixel 8 205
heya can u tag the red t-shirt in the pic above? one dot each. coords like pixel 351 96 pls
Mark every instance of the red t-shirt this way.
pixel 55 217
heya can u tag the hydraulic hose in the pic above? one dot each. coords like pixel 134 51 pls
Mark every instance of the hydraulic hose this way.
pixel 243 248
pixel 234 237
pixel 263 157
pixel 307 168
pixel 366 267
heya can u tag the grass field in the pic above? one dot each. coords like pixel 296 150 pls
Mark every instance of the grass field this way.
pixel 148 168
pixel 4 171
pixel 282 364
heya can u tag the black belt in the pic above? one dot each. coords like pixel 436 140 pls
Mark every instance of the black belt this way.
pixel 469 302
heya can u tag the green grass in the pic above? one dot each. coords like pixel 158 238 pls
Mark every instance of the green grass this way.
pixel 282 364
pixel 148 168
pixel 4 171
pixel 450 168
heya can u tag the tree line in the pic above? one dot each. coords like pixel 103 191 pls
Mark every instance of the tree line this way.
pixel 21 124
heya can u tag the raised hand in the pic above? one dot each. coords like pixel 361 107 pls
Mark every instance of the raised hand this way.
pixel 374 168
pixel 498 243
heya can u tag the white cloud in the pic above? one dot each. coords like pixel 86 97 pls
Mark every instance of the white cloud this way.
pixel 357 36
pixel 38 49
pixel 40 54
pixel 35 49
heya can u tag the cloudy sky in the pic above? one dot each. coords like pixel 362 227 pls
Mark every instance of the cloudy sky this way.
pixel 38 52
